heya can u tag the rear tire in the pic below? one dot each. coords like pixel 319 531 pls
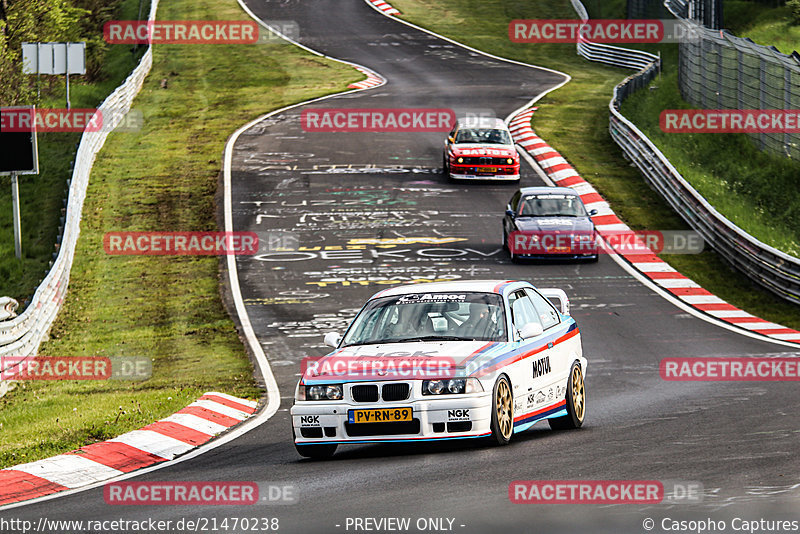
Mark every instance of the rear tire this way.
pixel 502 412
pixel 576 402
pixel 318 452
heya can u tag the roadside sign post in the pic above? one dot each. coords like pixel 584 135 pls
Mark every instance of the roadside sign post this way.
pixel 15 210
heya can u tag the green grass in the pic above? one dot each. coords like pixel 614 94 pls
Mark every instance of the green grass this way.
pixel 41 195
pixel 574 120
pixel 165 308
pixel 770 26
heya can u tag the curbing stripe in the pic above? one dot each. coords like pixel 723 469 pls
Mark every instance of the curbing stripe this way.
pixel 119 456
pixel 178 431
pixel 21 486
pixel 68 470
pixel 649 265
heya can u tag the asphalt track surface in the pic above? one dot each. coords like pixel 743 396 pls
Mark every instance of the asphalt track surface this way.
pixel 740 440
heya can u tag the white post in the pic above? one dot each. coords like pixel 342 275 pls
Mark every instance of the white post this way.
pixel 15 210
pixel 66 60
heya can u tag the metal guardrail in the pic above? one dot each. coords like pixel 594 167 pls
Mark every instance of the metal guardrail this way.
pixel 775 270
pixel 610 55
pixel 22 335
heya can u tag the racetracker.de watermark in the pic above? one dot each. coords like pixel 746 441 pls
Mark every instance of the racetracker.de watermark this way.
pixel 181 243
pixel 45 120
pixel 736 369
pixel 389 366
pixel 184 493
pixel 586 491
pixel 377 120
pixel 181 32
pixel 560 242
pixel 730 120
pixel 601 31
pixel 75 368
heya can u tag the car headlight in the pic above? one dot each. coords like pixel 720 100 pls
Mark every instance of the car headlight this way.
pixel 451 386
pixel 510 161
pixel 460 160
pixel 319 392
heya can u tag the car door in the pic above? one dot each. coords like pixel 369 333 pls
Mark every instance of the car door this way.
pixel 530 374
pixel 511 213
pixel 557 353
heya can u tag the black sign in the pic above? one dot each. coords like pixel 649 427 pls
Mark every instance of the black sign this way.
pixel 18 141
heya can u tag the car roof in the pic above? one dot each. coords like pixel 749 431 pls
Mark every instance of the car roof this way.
pixel 456 286
pixel 481 122
pixel 545 190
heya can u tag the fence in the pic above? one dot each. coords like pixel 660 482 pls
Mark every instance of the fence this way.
pixel 22 335
pixel 718 70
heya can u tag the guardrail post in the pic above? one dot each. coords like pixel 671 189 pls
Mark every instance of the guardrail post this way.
pixel 15 215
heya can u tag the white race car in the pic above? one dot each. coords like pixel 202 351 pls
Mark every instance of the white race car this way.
pixel 444 360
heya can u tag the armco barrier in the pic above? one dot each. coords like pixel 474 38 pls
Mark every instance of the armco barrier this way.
pixel 22 335
pixel 611 55
pixel 775 270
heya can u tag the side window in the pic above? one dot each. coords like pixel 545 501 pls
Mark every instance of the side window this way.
pixel 544 310
pixel 515 200
pixel 523 311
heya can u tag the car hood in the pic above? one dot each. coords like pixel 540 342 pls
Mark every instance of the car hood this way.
pixel 554 224
pixel 477 149
pixel 416 354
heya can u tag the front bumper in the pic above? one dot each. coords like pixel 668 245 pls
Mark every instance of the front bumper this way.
pixel 449 417
pixel 479 177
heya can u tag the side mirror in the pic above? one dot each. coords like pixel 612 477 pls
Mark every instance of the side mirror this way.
pixel 511 213
pixel 531 330
pixel 592 213
pixel 332 339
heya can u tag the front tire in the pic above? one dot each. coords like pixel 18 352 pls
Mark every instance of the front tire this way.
pixel 318 452
pixel 502 412
pixel 576 402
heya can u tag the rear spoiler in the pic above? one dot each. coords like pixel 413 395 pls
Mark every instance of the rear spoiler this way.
pixel 558 298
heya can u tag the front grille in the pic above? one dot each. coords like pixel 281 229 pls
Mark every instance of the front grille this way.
pixel 395 392
pixel 382 429
pixel 365 393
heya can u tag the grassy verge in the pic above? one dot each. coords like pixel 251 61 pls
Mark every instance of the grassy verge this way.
pixel 41 195
pixel 766 25
pixel 574 120
pixel 166 308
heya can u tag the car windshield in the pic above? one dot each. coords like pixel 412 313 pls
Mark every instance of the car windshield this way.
pixel 429 317
pixel 492 136
pixel 552 206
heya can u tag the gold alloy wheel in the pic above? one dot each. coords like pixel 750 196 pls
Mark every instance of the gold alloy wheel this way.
pixel 578 395
pixel 505 408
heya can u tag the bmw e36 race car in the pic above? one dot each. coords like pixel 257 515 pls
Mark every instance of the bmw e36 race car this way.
pixel 444 360
pixel 480 149
pixel 549 223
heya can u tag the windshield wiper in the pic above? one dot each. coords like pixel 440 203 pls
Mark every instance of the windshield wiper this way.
pixel 440 338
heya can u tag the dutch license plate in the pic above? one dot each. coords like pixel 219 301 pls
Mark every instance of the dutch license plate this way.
pixel 561 250
pixel 487 170
pixel 381 415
